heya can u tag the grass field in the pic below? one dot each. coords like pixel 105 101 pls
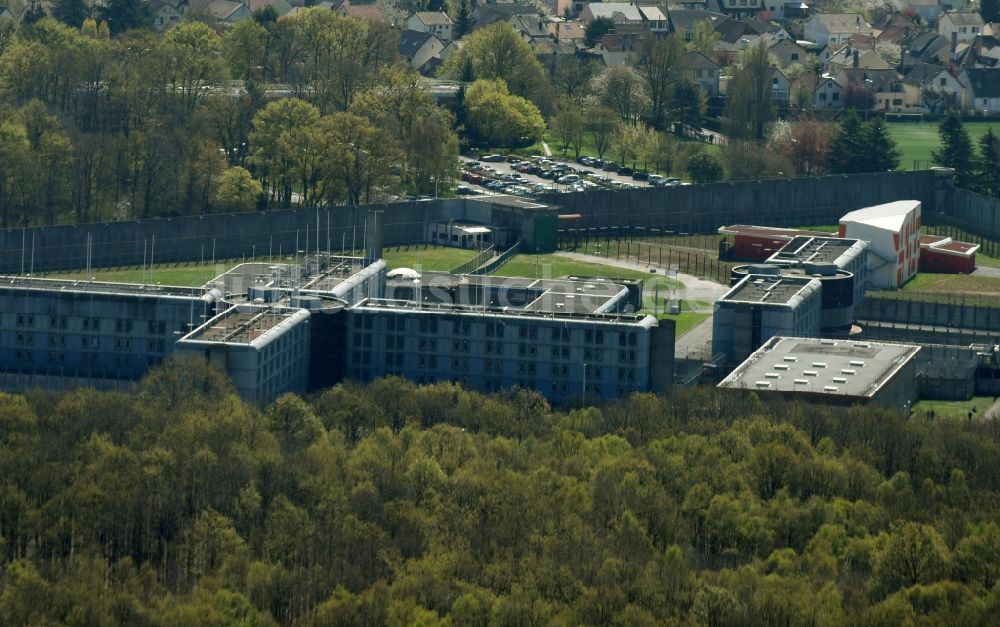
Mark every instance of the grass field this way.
pixel 953 409
pixel 194 275
pixel 916 140
pixel 685 321
pixel 551 266
pixel 429 259
pixel 955 285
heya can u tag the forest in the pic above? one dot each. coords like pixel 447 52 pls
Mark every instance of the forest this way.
pixel 397 504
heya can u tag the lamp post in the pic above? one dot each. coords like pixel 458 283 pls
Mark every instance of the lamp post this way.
pixel 868 95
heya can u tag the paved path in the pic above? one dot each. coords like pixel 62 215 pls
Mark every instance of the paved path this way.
pixel 548 151
pixel 989 271
pixel 695 288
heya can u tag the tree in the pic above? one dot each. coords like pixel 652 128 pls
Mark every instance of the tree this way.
pixel 600 124
pixel 880 152
pixel 912 554
pixel 847 146
pixel 988 164
pixel 238 190
pixel 498 52
pixel 704 38
pixel 704 168
pixel 621 89
pixel 33 14
pixel 626 142
pixel 956 149
pixel 989 10
pixel 71 12
pixel 568 124
pixel 806 145
pixel 277 129
pixel 688 103
pixel 597 29
pixel 123 15
pixel 750 108
pixel 463 20
pixel 571 74
pixel 661 62
pixel 500 118
pixel 191 63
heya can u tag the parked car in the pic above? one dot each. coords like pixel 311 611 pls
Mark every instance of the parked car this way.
pixel 656 179
pixel 610 166
pixel 625 170
pixel 492 158
pixel 569 178
pixel 640 176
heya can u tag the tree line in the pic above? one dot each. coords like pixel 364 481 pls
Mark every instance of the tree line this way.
pixel 139 124
pixel 401 504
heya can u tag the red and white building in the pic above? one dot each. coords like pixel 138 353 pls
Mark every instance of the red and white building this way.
pixel 892 231
pixel 946 256
pixel 758 243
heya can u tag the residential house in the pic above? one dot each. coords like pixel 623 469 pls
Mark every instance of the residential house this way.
pixel 532 29
pixel 418 47
pixel 983 51
pixel 486 14
pixel 781 87
pixel 925 47
pixel 959 27
pixel 370 12
pixel 693 5
pixel 739 9
pixel 449 48
pixel 281 7
pixel 982 95
pixel 933 87
pixel 851 57
pixel 684 21
pixel 787 52
pixel 567 32
pixel 827 92
pixel 897 28
pixel 654 19
pixel 559 8
pixel 165 13
pixel 882 88
pixel 929 10
pixel 705 72
pixel 621 13
pixel 834 28
pixel 5 13
pixel 227 12
pixel 436 23
pixel 615 48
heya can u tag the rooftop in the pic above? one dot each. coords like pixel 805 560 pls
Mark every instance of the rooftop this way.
pixel 100 287
pixel 771 290
pixel 817 366
pixel 493 312
pixel 767 231
pixel 803 248
pixel 890 215
pixel 245 324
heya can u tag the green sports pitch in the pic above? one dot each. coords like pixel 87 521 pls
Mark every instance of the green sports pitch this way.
pixel 916 140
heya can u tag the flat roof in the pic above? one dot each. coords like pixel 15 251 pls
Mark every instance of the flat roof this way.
pixel 938 243
pixel 771 290
pixel 824 249
pixel 821 366
pixel 767 231
pixel 244 324
pixel 890 215
pixel 410 306
pixel 101 287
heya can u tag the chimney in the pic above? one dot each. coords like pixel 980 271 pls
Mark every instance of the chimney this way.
pixel 857 59
pixel 954 41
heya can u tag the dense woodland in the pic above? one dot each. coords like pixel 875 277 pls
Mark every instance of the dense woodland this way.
pixel 397 504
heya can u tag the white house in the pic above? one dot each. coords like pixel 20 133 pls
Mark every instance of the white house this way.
pixel 620 13
pixel 835 28
pixel 960 27
pixel 416 47
pixel 436 23
pixel 982 94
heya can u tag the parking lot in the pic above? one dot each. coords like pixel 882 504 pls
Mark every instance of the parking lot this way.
pixel 541 174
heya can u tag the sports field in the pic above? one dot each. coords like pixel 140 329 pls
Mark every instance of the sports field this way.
pixel 916 141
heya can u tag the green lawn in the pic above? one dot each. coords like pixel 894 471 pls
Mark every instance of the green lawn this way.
pixel 194 275
pixel 953 409
pixel 685 321
pixel 551 266
pixel 428 259
pixel 916 140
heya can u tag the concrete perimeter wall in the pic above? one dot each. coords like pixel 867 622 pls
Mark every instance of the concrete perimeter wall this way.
pixel 972 212
pixel 783 202
pixel 693 209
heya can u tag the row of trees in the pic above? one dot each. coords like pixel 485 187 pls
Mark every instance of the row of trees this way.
pixel 979 171
pixel 142 124
pixel 397 504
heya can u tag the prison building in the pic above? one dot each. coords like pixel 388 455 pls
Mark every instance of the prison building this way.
pixel 61 334
pixel 744 242
pixel 892 231
pixel 760 307
pixel 844 259
pixel 565 356
pixel 944 255
pixel 263 349
pixel 835 372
